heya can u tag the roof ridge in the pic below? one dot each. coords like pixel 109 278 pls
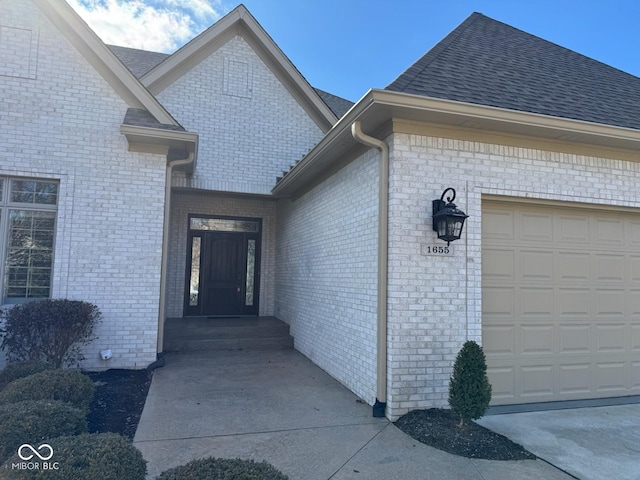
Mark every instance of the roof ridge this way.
pixel 420 65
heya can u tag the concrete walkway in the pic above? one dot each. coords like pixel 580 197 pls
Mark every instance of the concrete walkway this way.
pixel 279 407
pixel 590 443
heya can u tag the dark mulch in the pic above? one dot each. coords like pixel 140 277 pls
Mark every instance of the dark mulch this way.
pixel 438 428
pixel 118 401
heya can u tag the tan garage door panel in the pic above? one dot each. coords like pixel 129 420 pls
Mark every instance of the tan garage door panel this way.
pixel 561 302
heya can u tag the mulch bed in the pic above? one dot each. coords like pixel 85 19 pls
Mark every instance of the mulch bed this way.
pixel 438 428
pixel 118 401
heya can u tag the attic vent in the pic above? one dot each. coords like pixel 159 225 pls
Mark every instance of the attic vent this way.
pixel 18 52
pixel 238 78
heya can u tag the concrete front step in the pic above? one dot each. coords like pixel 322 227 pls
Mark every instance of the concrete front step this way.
pixel 239 333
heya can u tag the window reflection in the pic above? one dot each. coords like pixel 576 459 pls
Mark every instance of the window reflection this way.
pixel 225 225
pixel 194 280
pixel 251 263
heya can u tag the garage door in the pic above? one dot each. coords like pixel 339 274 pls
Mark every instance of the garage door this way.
pixel 560 302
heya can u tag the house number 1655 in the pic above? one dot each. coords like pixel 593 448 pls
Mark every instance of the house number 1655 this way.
pixel 436 250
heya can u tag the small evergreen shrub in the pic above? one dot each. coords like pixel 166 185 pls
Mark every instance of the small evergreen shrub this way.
pixel 90 456
pixel 33 421
pixel 68 386
pixel 469 388
pixel 223 469
pixel 49 330
pixel 17 370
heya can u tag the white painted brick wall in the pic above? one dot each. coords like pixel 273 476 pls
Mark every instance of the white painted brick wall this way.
pixel 210 204
pixel 246 138
pixel 326 273
pixel 64 125
pixel 434 301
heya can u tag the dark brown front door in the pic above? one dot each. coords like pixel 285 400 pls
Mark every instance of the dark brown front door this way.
pixel 223 274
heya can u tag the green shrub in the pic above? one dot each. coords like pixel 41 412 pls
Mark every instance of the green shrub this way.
pixel 469 388
pixel 34 421
pixel 49 330
pixel 17 370
pixel 68 386
pixel 90 456
pixel 223 469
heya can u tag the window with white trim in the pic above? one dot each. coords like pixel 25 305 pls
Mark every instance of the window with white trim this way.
pixel 28 210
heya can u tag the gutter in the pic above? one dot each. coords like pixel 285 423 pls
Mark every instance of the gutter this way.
pixel 383 244
pixel 165 254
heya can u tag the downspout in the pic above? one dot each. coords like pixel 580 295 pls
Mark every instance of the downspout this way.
pixel 165 254
pixel 383 242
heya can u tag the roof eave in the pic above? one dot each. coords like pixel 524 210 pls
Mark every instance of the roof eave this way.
pixel 378 108
pixel 174 144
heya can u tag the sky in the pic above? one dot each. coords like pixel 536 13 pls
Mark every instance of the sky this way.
pixel 346 47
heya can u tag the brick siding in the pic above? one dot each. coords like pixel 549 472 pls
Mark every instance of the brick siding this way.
pixel 63 124
pixel 435 301
pixel 326 273
pixel 247 137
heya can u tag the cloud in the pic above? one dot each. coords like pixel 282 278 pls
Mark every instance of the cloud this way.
pixel 156 25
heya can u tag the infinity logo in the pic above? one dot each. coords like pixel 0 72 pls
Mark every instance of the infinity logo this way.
pixel 29 456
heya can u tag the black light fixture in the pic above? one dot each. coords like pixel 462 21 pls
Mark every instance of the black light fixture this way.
pixel 448 220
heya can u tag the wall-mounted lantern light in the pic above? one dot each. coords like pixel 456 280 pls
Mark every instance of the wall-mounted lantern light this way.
pixel 448 220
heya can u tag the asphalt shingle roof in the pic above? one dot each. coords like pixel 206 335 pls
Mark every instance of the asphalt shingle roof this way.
pixel 338 105
pixel 137 61
pixel 142 118
pixel 487 62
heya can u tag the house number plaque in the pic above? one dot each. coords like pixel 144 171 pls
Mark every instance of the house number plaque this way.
pixel 438 250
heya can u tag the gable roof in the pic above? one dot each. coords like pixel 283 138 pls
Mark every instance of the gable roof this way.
pixel 141 61
pixel 102 59
pixel 240 22
pixel 487 62
pixel 147 125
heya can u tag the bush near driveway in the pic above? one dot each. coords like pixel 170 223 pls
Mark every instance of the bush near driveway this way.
pixel 90 456
pixel 223 469
pixel 469 387
pixel 33 421
pixel 68 386
pixel 49 330
pixel 17 370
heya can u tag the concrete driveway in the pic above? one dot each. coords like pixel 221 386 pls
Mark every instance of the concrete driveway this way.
pixel 279 407
pixel 588 443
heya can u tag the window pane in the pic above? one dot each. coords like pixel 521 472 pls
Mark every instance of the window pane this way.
pixel 194 280
pixel 225 225
pixel 251 266
pixel 29 254
pixel 30 191
pixel 1 189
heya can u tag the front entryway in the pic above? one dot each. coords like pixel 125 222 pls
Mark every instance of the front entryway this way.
pixel 223 266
